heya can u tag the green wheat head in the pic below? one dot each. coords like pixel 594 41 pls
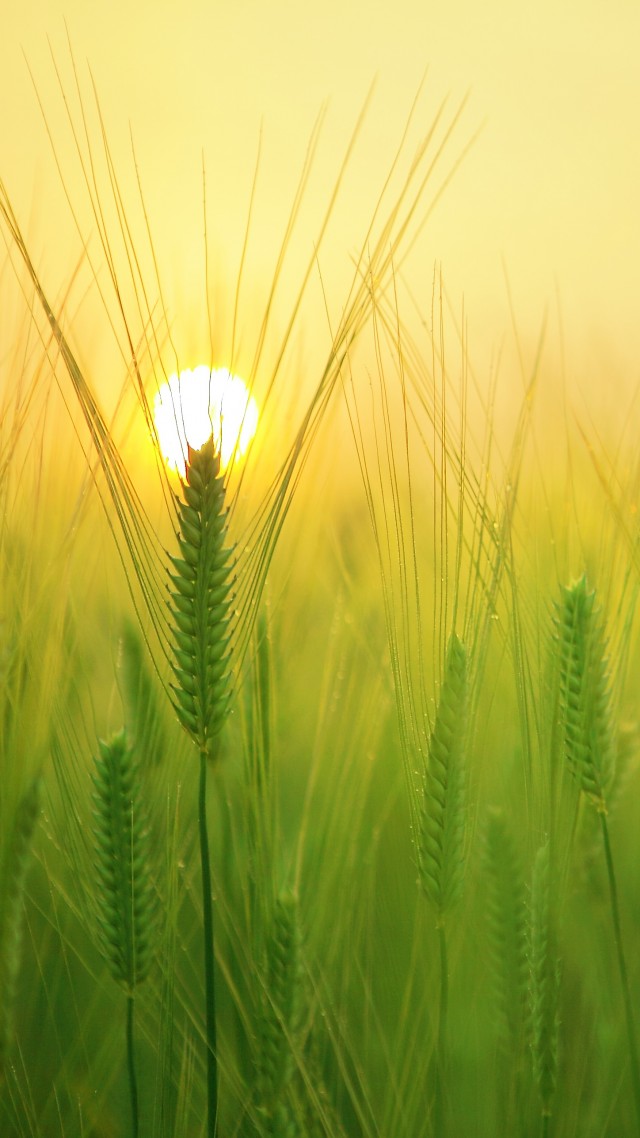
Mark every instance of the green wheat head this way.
pixel 143 715
pixel 200 602
pixel 585 690
pixel 280 1017
pixel 13 870
pixel 127 906
pixel 544 973
pixel 506 930
pixel 441 835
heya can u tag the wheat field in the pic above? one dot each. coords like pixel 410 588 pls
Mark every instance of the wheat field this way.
pixel 319 776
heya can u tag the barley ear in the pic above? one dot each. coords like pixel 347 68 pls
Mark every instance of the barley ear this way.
pixel 127 907
pixel 584 690
pixel 14 863
pixel 200 585
pixel 544 968
pixel 143 718
pixel 506 925
pixel 280 1015
pixel 441 829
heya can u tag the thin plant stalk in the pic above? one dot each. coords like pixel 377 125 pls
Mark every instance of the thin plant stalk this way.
pixel 208 953
pixel 440 1111
pixel 131 1065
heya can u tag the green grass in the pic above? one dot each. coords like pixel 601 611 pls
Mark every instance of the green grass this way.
pixel 400 668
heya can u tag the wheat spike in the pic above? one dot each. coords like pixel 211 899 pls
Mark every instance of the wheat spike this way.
pixel 200 602
pixel 126 897
pixel 544 969
pixel 442 817
pixel 585 690
pixel 506 930
pixel 281 1011
pixel 13 870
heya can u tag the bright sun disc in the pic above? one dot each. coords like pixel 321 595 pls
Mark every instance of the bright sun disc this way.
pixel 196 404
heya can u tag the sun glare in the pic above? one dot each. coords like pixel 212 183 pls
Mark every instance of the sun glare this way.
pixel 201 402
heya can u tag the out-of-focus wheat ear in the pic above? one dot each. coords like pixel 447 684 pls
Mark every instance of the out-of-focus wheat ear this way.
pixel 200 598
pixel 544 979
pixel 280 1014
pixel 126 898
pixel 585 690
pixel 14 862
pixel 143 718
pixel 441 835
pixel 506 925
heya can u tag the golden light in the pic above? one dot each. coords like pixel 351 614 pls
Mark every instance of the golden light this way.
pixel 201 402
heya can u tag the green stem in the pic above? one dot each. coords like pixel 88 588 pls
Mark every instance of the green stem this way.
pixel 131 1066
pixel 209 978
pixel 615 913
pixel 439 1104
pixel 546 1125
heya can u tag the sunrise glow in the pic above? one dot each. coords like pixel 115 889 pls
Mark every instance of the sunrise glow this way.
pixel 201 402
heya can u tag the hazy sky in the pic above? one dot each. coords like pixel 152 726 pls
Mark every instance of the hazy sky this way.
pixel 550 189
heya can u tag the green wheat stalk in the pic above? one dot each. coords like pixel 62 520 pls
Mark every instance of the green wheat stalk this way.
pixel 441 829
pixel 125 895
pixel 585 710
pixel 544 969
pixel 200 585
pixel 13 871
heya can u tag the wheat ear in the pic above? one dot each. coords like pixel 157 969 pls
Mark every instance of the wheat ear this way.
pixel 585 690
pixel 506 927
pixel 585 710
pixel 280 1018
pixel 200 602
pixel 13 870
pixel 506 931
pixel 544 987
pixel 441 832
pixel 200 598
pixel 125 894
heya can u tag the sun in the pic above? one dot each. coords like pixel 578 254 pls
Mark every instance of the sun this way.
pixel 198 403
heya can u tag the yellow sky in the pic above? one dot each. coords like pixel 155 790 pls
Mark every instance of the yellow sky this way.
pixel 550 189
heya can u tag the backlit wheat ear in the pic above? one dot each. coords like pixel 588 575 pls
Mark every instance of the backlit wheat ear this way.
pixel 202 668
pixel 200 602
pixel 13 869
pixel 281 1014
pixel 126 898
pixel 585 690
pixel 442 818
pixel 544 969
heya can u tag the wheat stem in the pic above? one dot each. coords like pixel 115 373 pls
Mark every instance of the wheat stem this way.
pixel 131 1065
pixel 440 1112
pixel 208 953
